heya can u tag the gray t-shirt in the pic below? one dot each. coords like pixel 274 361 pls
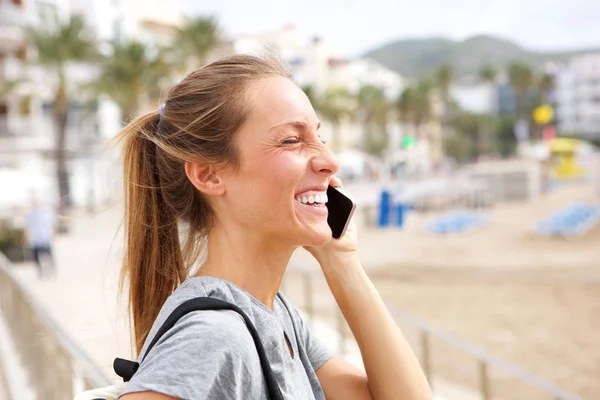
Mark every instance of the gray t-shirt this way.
pixel 211 354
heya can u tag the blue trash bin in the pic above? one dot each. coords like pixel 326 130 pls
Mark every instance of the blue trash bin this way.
pixel 401 209
pixel 384 209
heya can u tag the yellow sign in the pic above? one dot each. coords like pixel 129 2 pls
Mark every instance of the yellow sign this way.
pixel 543 114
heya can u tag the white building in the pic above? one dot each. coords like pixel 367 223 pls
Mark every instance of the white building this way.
pixel 353 74
pixel 26 127
pixel 475 97
pixel 578 97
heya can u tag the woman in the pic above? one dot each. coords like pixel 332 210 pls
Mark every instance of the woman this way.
pixel 226 162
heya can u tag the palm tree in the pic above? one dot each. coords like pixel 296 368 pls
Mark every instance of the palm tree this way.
pixel 333 106
pixel 521 79
pixel 414 106
pixel 132 74
pixel 443 79
pixel 422 108
pixel 374 110
pixel 405 105
pixel 545 86
pixel 57 45
pixel 486 125
pixel 195 40
pixel 488 73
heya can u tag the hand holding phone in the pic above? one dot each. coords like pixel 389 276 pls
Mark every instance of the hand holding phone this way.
pixel 341 208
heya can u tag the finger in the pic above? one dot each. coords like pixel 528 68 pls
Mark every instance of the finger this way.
pixel 335 182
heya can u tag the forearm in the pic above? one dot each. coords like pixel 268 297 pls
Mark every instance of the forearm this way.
pixel 392 369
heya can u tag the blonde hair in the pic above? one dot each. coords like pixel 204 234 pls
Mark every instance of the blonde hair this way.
pixel 196 124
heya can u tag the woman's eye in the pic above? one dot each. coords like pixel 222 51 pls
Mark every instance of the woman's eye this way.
pixel 322 140
pixel 293 140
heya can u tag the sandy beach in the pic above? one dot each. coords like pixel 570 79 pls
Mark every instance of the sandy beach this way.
pixel 529 300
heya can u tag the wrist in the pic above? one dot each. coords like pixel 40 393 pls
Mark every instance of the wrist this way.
pixel 340 261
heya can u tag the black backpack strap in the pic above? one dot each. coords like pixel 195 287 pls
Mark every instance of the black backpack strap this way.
pixel 126 369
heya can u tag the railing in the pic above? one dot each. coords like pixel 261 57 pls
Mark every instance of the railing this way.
pixel 491 378
pixel 57 368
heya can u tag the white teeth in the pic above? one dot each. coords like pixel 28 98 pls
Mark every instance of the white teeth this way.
pixel 312 199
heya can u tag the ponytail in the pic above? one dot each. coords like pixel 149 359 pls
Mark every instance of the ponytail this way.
pixel 153 263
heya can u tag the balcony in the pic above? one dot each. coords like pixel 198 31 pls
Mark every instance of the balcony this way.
pixel 12 24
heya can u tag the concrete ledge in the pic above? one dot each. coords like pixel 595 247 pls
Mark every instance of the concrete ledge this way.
pixel 42 346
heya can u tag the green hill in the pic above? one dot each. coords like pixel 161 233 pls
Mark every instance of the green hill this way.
pixel 416 57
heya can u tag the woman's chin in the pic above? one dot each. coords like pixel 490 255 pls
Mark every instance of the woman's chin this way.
pixel 319 237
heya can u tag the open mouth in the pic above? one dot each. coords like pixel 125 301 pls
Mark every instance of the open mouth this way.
pixel 317 200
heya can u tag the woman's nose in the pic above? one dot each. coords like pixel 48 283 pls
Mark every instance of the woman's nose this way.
pixel 325 162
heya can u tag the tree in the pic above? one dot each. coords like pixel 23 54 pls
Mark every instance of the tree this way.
pixel 444 76
pixel 373 108
pixel 480 131
pixel 545 86
pixel 488 73
pixel 195 40
pixel 506 141
pixel 422 109
pixel 414 106
pixel 457 146
pixel 521 79
pixel 405 105
pixel 487 134
pixel 58 44
pixel 131 74
pixel 333 106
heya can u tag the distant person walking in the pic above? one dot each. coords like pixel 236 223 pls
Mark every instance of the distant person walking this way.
pixel 39 229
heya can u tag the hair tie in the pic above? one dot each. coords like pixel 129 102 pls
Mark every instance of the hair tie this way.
pixel 161 109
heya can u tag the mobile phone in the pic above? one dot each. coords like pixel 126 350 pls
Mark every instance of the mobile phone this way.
pixel 340 207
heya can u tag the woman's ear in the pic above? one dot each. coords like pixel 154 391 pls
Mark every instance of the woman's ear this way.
pixel 207 178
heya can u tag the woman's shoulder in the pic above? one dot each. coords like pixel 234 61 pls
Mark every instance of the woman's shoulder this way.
pixel 209 338
pixel 201 329
pixel 203 347
pixel 226 327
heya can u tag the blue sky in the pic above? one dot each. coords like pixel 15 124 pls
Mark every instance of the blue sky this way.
pixel 353 26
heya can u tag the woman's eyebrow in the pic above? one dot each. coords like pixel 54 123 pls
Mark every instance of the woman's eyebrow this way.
pixel 300 125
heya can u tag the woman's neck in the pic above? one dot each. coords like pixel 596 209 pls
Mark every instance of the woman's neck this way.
pixel 251 263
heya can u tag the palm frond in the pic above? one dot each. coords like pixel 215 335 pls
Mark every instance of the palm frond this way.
pixel 196 39
pixel 132 71
pixel 58 43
